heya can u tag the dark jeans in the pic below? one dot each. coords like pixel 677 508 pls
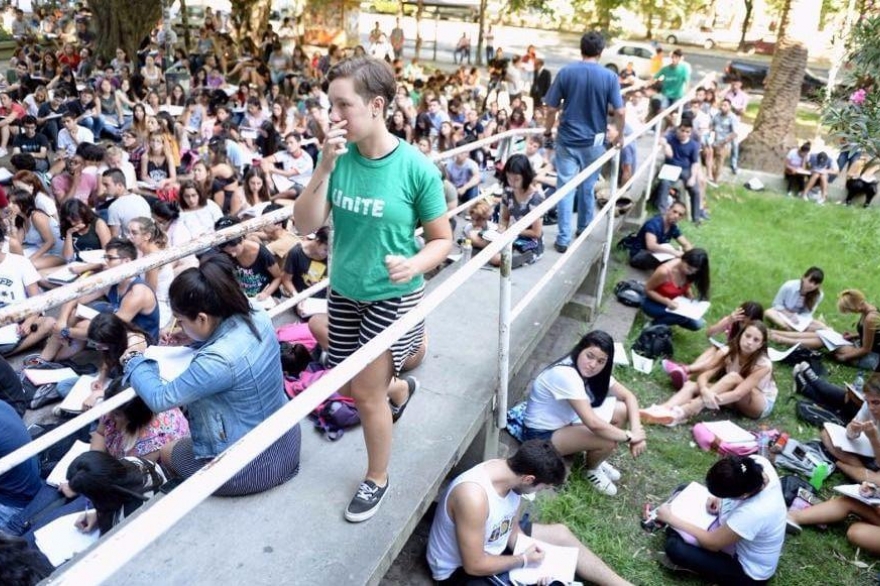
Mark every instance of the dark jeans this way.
pixel 46 506
pixel 658 313
pixel 643 259
pixel 826 394
pixel 663 200
pixel 714 567
pixel 795 182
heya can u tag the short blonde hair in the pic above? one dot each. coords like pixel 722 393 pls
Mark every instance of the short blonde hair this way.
pixel 850 300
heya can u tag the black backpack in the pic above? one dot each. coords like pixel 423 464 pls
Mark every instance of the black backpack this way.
pixel 630 292
pixel 654 342
pixel 629 242
pixel 816 414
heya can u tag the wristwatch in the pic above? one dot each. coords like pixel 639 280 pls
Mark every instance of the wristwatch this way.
pixel 65 333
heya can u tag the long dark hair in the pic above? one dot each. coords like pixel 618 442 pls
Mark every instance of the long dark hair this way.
pixel 735 477
pixel 112 333
pixel 211 289
pixel 597 385
pixel 519 164
pixel 815 275
pixel 136 412
pixel 74 208
pixel 746 366
pixel 20 563
pixel 698 259
pixel 109 483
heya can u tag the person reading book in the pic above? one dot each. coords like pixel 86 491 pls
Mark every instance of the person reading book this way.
pixel 477 523
pixel 745 547
pixel 743 379
pixel 672 280
pixel 796 301
pixel 656 236
pixel 863 533
pixel 866 423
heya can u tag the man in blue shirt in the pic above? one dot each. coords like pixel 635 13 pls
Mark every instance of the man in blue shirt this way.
pixel 583 91
pixel 19 485
pixel 684 153
pixel 655 236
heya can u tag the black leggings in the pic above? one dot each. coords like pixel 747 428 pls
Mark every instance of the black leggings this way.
pixel 796 182
pixel 713 566
pixel 825 393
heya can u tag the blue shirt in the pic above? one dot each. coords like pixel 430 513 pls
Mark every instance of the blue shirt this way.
pixel 19 485
pixel 684 155
pixel 232 385
pixel 585 90
pixel 654 226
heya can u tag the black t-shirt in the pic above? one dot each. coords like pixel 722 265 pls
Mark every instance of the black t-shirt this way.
pixel 77 108
pixel 30 144
pixel 305 271
pixel 253 279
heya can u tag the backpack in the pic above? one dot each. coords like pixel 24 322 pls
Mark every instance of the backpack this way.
pixel 654 341
pixel 803 457
pixel 811 357
pixel 332 416
pixel 629 242
pixel 630 292
pixel 816 415
pixel 794 488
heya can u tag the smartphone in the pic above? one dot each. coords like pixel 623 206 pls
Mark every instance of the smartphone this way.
pixel 799 452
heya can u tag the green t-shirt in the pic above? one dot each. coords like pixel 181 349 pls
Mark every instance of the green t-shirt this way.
pixel 376 205
pixel 675 80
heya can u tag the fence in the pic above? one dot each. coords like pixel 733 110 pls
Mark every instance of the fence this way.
pixel 120 546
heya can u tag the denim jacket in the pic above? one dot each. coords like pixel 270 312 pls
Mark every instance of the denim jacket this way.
pixel 233 383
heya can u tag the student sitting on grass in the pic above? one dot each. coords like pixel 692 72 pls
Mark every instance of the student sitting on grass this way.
pixel 566 403
pixel 833 397
pixel 674 279
pixel 656 234
pixel 867 423
pixel 746 546
pixel 729 324
pixel 797 300
pixel 746 383
pixel 864 352
pixel 864 533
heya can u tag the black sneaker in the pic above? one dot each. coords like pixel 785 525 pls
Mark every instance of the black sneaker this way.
pixel 366 502
pixel 560 248
pixel 397 410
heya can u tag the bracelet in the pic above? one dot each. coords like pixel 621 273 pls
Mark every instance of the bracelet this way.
pixel 126 358
pixel 525 561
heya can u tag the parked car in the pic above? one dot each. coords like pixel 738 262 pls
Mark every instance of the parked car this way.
pixel 619 54
pixel 703 37
pixel 754 75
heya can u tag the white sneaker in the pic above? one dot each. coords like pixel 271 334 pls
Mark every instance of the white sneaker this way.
pixel 3 152
pixel 610 471
pixel 600 481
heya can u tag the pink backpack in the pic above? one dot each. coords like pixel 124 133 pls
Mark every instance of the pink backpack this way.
pixel 707 441
pixel 332 416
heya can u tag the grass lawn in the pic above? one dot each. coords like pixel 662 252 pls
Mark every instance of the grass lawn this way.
pixel 755 243
pixel 806 117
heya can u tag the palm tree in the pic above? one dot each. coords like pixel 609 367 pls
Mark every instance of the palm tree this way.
pixel 123 23
pixel 766 146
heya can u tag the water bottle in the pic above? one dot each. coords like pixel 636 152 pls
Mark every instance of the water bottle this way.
pixel 467 250
pixel 764 442
pixel 859 383
pixel 820 473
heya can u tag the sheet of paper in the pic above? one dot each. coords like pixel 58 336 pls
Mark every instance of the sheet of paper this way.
pixel 490 235
pixel 832 339
pixel 9 334
pixel 72 403
pixel 60 540
pixel 147 185
pixel 669 173
pixel 59 472
pixel 50 375
pixel 173 360
pixel 798 323
pixel 861 445
pixel 730 432
pixel 717 343
pixel 173 110
pixel 642 364
pixel 559 562
pixel 311 306
pixel 690 505
pixel 63 275
pixel 620 354
pixel 852 491
pixel 248 132
pixel 86 312
pixel 282 183
pixel 690 307
pixel 663 256
pixel 92 256
pixel 5 175
pixel 777 355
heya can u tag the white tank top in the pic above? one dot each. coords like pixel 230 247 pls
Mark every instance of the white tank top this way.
pixel 443 553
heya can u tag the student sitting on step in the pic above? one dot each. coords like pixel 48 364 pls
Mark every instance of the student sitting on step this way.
pixel 580 407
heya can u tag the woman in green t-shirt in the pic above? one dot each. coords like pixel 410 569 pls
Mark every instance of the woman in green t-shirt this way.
pixel 378 189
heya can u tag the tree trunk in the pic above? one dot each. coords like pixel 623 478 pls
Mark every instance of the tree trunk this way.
pixel 123 23
pixel 480 37
pixel 250 22
pixel 184 20
pixel 747 20
pixel 765 147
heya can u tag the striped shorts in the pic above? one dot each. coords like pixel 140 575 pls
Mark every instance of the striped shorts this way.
pixel 354 323
pixel 274 466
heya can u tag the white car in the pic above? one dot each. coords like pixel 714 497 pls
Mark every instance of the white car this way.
pixel 619 54
pixel 705 37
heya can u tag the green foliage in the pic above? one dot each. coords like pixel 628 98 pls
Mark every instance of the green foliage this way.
pixel 853 114
pixel 756 242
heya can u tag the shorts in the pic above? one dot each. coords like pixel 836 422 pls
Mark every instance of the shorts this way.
pixel 539 434
pixel 354 323
pixel 768 407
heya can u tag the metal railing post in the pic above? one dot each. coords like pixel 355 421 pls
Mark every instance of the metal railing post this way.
pixel 494 427
pixel 653 166
pixel 609 231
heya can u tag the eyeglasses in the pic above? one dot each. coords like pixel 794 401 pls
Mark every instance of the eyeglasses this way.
pixel 108 257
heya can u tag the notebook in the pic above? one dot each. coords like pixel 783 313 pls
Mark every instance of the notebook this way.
pixel 173 360
pixel 690 505
pixel 730 432
pixel 690 307
pixel 72 403
pixel 861 445
pixel 852 491
pixel 832 340
pixel 311 306
pixel 47 376
pixel 59 472
pixel 559 562
pixel 60 540
pixel 797 322
pixel 62 276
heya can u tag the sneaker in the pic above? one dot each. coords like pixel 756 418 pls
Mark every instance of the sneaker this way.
pixel 711 183
pixel 610 471
pixel 560 248
pixel 678 416
pixel 791 527
pixel 704 215
pixel 670 365
pixel 678 377
pixel 657 415
pixel 3 152
pixel 600 481
pixel 397 410
pixel 796 373
pixel 366 502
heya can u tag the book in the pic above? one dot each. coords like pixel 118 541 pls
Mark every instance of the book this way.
pixel 778 355
pixel 45 376
pixel 311 306
pixel 669 173
pixel 690 505
pixel 62 276
pixel 797 322
pixel 620 354
pixel 832 340
pixel 861 445
pixel 559 562
pixel 852 491
pixel 9 334
pixel 73 402
pixel 86 312
pixel 690 307
pixel 173 360
pixel 60 540
pixel 92 257
pixel 59 472
pixel 729 432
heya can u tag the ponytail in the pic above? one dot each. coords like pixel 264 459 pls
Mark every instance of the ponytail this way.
pixel 735 477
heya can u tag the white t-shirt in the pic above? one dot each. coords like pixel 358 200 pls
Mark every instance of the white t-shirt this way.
pixel 760 522
pixel 864 414
pixel 789 298
pixel 303 165
pixel 548 407
pixel 46 204
pixel 16 274
pixel 126 209
pixel 201 221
